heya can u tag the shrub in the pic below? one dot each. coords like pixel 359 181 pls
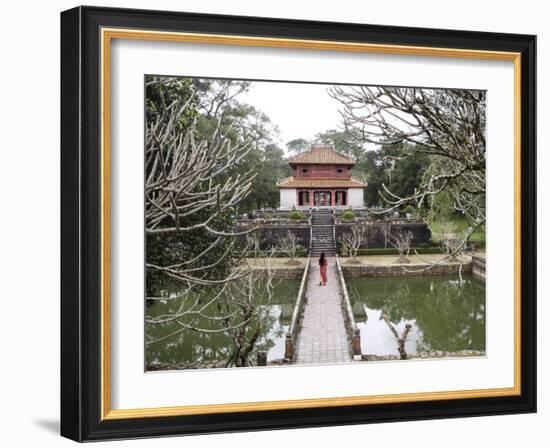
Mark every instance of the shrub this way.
pixel 409 209
pixel 297 214
pixel 393 251
pixel 348 215
pixel 268 216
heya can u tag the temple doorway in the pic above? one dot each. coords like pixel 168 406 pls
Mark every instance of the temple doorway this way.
pixel 322 198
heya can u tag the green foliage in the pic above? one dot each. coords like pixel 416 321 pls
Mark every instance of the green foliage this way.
pixel 297 214
pixel 165 249
pixel 348 215
pixel 400 167
pixel 159 94
pixel 243 123
pixel 442 207
pixel 408 209
pixel 342 141
pixel 297 145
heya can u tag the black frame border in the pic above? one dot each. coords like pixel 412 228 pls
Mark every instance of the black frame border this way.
pixel 81 223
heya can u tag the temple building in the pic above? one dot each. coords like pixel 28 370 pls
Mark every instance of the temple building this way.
pixel 321 179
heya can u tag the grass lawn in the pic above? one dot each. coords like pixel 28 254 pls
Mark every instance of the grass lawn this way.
pixel 460 225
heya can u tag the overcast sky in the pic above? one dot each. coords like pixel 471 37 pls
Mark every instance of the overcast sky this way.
pixel 298 110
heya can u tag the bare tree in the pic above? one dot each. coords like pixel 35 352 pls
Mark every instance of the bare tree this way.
pixel 448 125
pixel 400 339
pixel 353 241
pixel 252 295
pixel 402 242
pixel 189 186
pixel 192 187
pixel 289 244
pixel 239 308
pixel 453 243
pixel 253 242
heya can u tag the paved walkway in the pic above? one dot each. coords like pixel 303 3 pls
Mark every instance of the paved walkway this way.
pixel 323 336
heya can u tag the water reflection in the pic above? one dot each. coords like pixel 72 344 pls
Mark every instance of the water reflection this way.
pixel 446 314
pixel 196 348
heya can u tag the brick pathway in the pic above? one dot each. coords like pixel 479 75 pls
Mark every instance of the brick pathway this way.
pixel 323 336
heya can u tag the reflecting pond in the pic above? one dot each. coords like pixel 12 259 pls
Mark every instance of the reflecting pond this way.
pixel 446 314
pixel 197 347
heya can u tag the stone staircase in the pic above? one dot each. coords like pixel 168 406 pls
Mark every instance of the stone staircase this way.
pixel 322 233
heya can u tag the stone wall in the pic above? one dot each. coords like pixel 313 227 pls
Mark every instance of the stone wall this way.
pixel 426 355
pixel 272 230
pixel 270 234
pixel 421 235
pixel 366 270
pixel 291 273
pixel 478 266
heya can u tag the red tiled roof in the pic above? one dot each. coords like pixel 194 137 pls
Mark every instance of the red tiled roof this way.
pixel 290 182
pixel 322 155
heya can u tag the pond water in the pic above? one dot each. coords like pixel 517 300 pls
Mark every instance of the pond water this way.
pixel 446 314
pixel 189 346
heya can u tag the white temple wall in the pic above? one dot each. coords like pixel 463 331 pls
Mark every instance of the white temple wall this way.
pixel 288 198
pixel 355 197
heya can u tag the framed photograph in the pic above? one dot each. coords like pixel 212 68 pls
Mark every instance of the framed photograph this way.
pixel 273 223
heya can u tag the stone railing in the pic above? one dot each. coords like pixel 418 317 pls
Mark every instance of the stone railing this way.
pixel 369 220
pixel 310 240
pixel 273 222
pixel 354 334
pixel 292 333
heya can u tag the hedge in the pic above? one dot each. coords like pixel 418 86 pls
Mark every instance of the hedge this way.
pixel 393 251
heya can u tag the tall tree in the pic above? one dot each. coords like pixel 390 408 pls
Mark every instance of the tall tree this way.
pixel 342 141
pixel 297 146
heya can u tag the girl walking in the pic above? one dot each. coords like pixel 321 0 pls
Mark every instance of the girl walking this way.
pixel 323 269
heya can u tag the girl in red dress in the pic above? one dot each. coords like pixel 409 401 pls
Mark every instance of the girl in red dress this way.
pixel 323 269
